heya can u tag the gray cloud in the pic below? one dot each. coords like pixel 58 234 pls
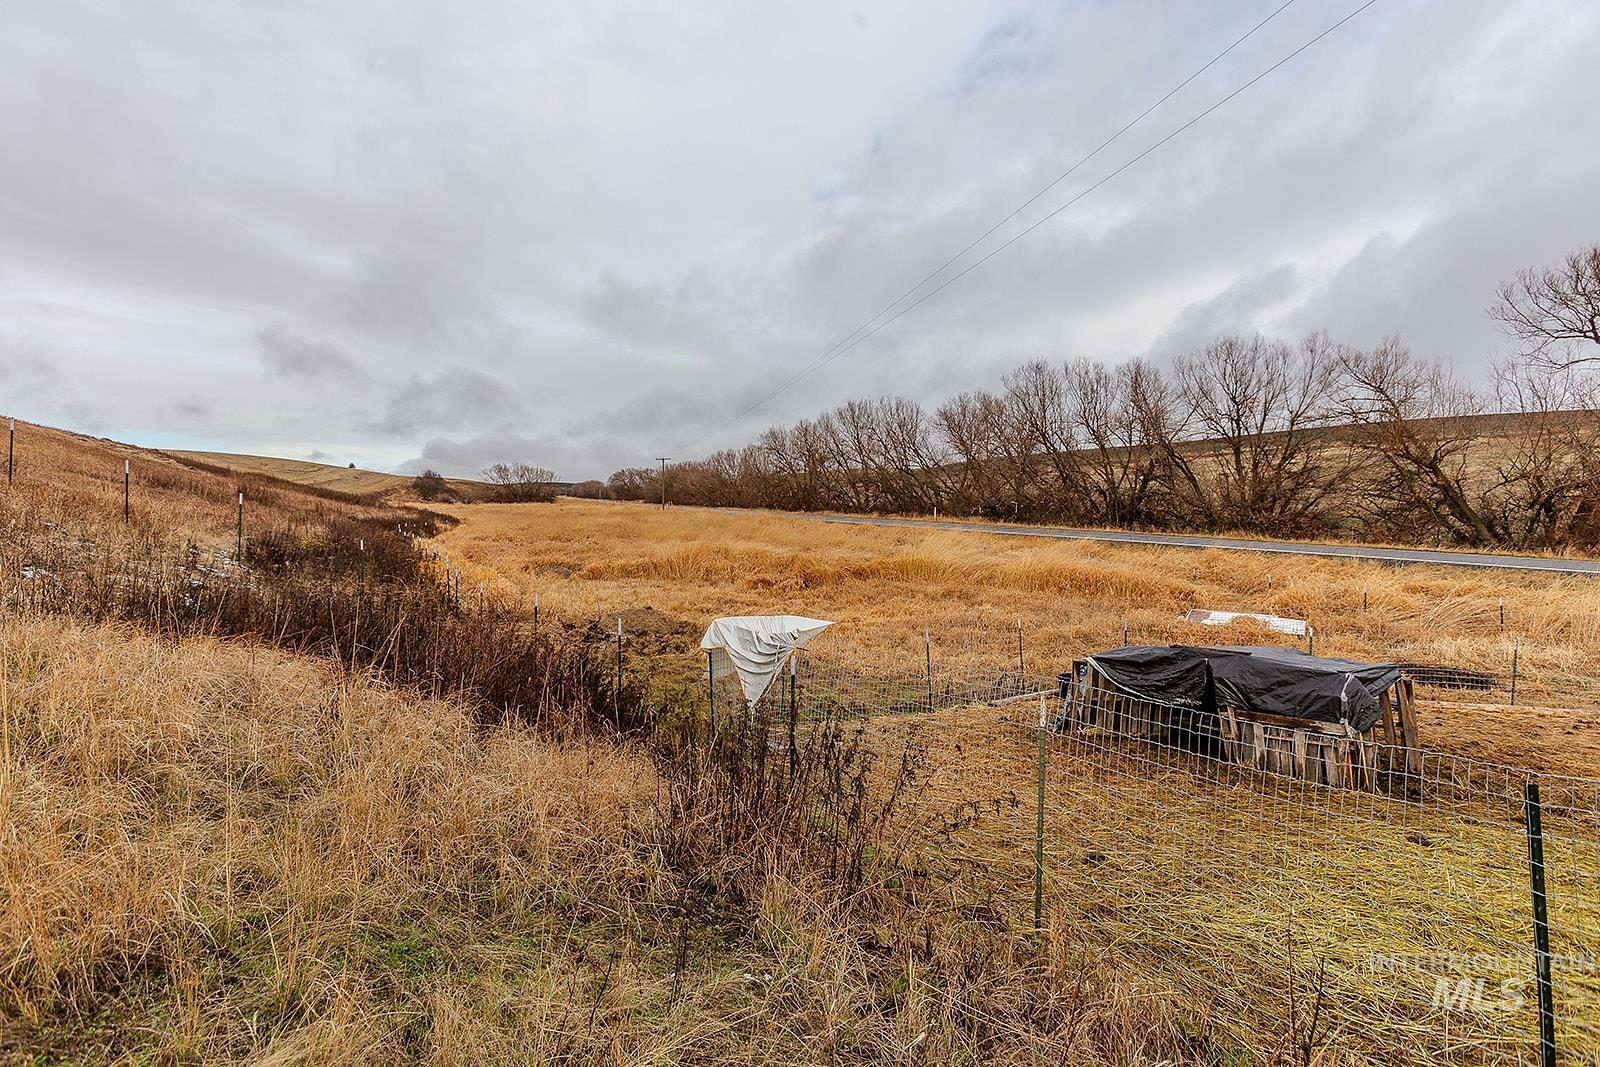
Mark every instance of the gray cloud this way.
pixel 194 410
pixel 375 228
pixel 451 399
pixel 287 355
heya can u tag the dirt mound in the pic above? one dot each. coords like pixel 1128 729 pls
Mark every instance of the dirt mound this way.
pixel 652 623
pixel 644 630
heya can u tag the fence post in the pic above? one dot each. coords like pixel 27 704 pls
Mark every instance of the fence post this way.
pixel 11 452
pixel 1541 926
pixel 536 611
pixel 927 655
pixel 361 565
pixel 711 693
pixel 1022 671
pixel 127 478
pixel 1502 613
pixel 1514 650
pixel 794 712
pixel 616 691
pixel 238 542
pixel 1124 633
pixel 1038 832
pixel 1363 598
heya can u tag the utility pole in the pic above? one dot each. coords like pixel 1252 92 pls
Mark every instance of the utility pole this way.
pixel 662 477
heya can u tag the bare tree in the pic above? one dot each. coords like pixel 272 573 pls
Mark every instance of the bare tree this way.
pixel 1555 312
pixel 428 485
pixel 1418 427
pixel 1257 405
pixel 522 483
pixel 1118 460
pixel 1542 483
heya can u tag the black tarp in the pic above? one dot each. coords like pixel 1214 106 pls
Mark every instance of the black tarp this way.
pixel 1265 678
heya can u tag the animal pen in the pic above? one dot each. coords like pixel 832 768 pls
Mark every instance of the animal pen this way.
pixel 1254 837
pixel 1327 721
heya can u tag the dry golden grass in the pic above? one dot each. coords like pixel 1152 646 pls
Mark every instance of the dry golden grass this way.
pixel 75 481
pixel 216 851
pixel 324 475
pixel 212 851
pixel 887 585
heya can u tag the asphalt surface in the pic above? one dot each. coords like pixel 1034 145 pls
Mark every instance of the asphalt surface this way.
pixel 1240 544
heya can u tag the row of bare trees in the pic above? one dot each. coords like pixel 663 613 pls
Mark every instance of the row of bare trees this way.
pixel 1249 433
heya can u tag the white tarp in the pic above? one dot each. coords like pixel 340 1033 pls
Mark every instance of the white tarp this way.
pixel 756 646
pixel 1277 623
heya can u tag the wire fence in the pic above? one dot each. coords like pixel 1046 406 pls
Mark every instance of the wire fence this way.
pixel 1401 904
pixel 1387 911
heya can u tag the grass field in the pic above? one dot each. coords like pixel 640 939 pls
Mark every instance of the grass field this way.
pixel 217 850
pixel 327 475
pixel 1247 904
pixel 886 586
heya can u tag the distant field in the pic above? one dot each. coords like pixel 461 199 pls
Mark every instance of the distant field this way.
pixel 887 585
pixel 324 475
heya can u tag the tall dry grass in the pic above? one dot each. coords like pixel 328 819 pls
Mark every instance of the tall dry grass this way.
pixel 216 851
pixel 220 849
pixel 887 586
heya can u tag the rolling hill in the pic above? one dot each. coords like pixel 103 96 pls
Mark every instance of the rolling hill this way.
pixel 326 475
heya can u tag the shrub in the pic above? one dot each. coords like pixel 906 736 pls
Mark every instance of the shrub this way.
pixel 428 485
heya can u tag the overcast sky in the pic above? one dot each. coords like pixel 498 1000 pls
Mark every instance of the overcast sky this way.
pixel 583 235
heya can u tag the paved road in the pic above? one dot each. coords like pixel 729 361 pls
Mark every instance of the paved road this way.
pixel 1382 555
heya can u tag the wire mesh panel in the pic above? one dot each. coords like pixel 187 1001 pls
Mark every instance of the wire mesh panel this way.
pixel 1393 909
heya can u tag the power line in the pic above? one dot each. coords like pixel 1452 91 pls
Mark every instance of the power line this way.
pixel 852 340
pixel 986 234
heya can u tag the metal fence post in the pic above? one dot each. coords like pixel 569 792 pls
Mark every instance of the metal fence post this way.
pixel 1038 832
pixel 1541 926
pixel 1311 640
pixel 536 611
pixel 127 479
pixel 11 452
pixel 794 713
pixel 616 691
pixel 238 537
pixel 1022 671
pixel 1514 650
pixel 927 655
pixel 711 692
pixel 1124 633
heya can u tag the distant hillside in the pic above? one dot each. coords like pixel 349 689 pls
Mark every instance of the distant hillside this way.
pixel 328 476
